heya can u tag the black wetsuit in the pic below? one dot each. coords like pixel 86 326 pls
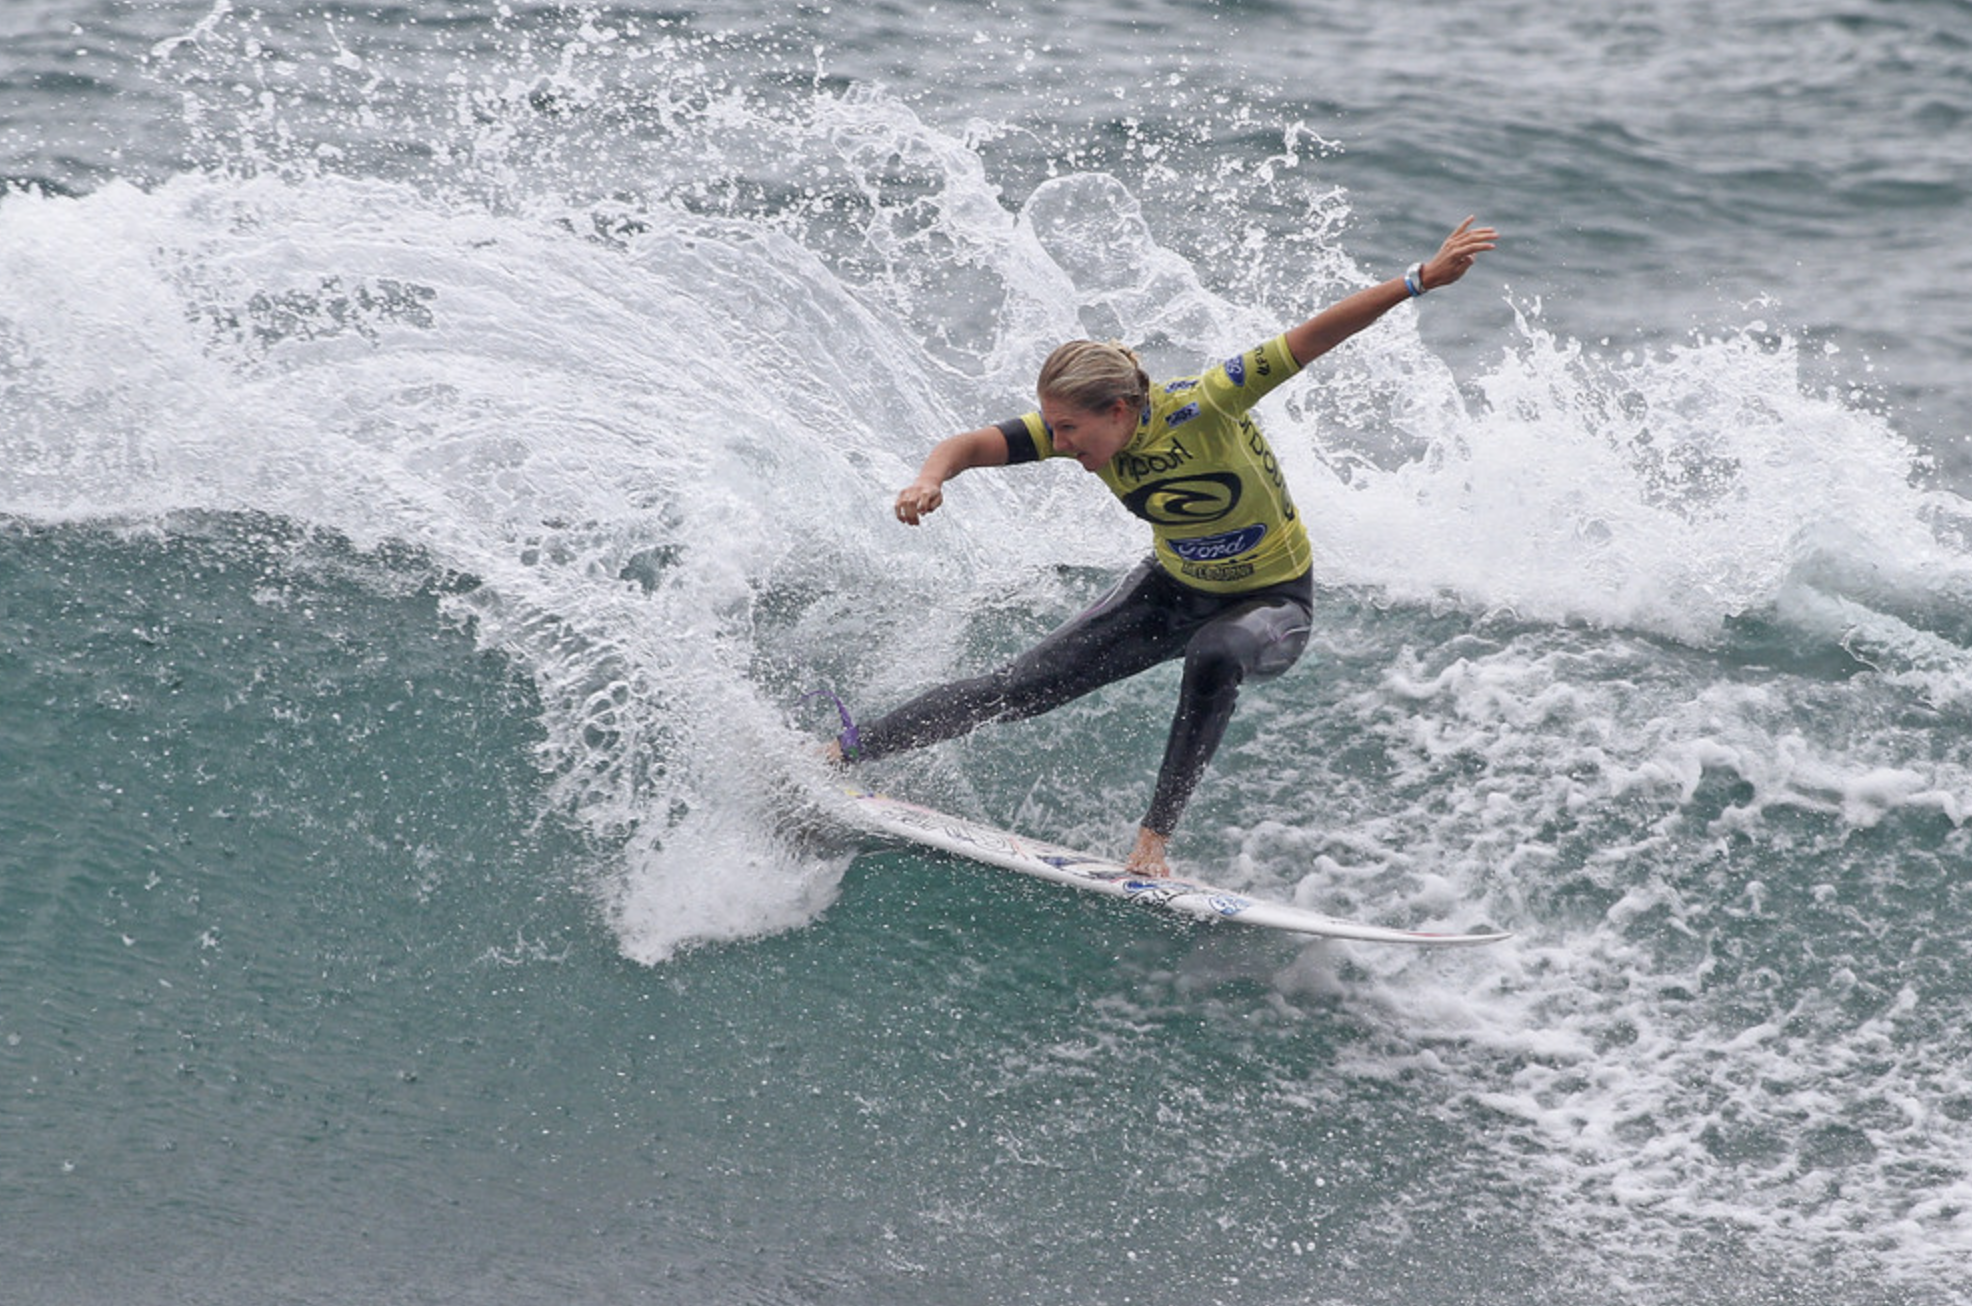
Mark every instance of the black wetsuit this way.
pixel 1225 640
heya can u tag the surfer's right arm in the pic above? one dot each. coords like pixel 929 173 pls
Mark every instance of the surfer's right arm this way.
pixel 985 447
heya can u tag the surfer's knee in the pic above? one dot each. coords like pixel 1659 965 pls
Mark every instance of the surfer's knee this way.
pixel 1019 699
pixel 1259 643
pixel 1220 657
pixel 1038 681
pixel 1282 648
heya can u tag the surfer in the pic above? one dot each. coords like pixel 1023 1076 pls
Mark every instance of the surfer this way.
pixel 1229 585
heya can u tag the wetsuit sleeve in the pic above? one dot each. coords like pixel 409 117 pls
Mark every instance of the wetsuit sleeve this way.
pixel 1244 379
pixel 1027 438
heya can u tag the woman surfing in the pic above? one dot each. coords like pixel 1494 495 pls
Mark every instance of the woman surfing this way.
pixel 1229 584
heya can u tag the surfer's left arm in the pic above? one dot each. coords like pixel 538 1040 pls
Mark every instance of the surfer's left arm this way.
pixel 1336 323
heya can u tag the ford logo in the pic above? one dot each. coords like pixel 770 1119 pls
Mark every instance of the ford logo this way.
pixel 1216 548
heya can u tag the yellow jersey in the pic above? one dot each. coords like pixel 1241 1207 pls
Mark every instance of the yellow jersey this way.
pixel 1201 473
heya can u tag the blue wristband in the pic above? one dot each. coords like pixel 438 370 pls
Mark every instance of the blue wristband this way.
pixel 1414 279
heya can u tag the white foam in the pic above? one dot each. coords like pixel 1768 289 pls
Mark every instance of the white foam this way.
pixel 1682 1035
pixel 1666 491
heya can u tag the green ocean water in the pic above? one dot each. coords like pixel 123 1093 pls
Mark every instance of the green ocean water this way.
pixel 439 451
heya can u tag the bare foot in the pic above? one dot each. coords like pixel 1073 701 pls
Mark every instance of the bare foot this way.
pixel 1147 858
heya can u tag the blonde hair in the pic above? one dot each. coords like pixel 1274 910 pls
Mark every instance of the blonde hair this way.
pixel 1093 375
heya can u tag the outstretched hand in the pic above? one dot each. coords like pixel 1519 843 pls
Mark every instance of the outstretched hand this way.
pixel 919 500
pixel 1340 320
pixel 1455 257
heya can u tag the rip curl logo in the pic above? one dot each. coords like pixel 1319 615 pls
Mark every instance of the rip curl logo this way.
pixel 1216 548
pixel 1181 416
pixel 1236 369
pixel 1186 500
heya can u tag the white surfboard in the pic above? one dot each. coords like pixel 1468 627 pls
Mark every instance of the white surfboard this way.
pixel 1180 897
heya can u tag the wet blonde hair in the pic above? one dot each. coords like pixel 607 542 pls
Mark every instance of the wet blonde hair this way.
pixel 1093 375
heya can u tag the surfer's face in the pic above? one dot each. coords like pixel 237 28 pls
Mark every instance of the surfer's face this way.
pixel 1092 436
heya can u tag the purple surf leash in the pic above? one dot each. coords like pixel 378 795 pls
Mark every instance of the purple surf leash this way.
pixel 850 740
